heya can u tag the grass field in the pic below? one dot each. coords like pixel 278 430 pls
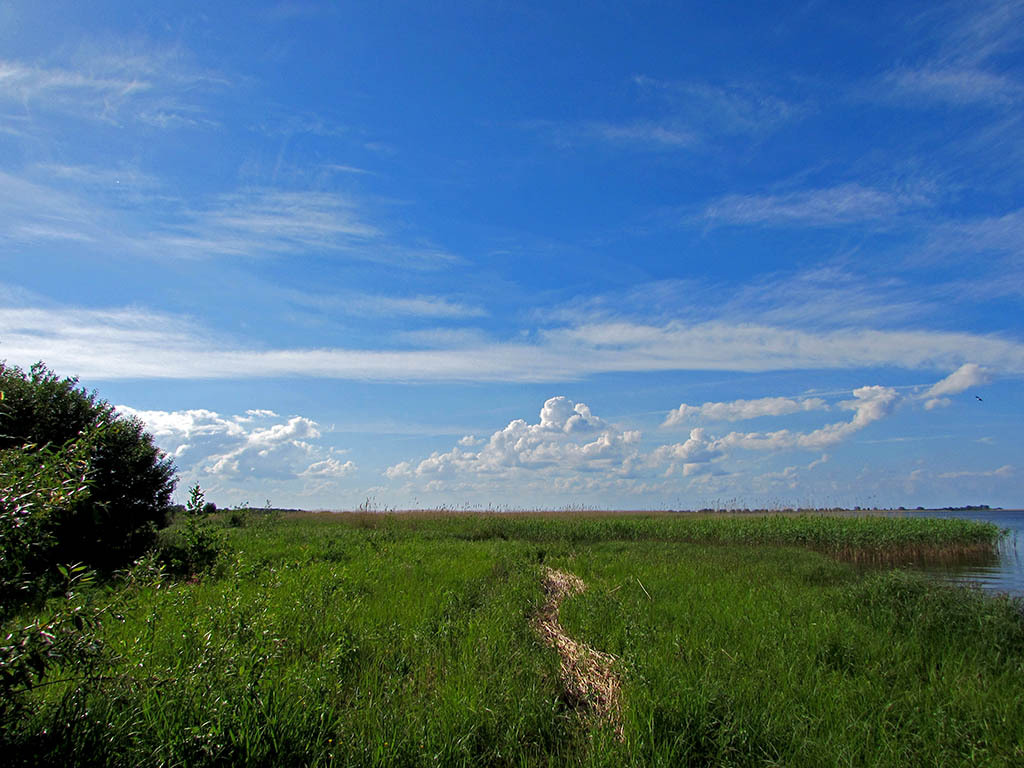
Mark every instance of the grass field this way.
pixel 411 640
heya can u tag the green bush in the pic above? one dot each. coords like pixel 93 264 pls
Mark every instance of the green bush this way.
pixel 191 546
pixel 39 491
pixel 130 480
pixel 66 638
pixel 239 517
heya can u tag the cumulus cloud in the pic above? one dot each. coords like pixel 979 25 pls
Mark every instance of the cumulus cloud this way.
pixel 869 405
pixel 790 476
pixel 257 443
pixel 563 414
pixel 697 449
pixel 328 468
pixel 738 410
pixel 253 413
pixel 817 462
pixel 569 440
pixel 963 378
pixel 569 449
pixel 567 437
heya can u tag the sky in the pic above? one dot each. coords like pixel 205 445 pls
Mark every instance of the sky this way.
pixel 625 255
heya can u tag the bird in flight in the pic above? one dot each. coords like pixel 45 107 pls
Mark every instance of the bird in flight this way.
pixel 978 399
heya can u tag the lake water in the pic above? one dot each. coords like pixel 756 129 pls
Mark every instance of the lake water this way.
pixel 1004 573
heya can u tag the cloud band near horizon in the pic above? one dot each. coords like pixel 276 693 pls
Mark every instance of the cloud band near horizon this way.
pixel 120 344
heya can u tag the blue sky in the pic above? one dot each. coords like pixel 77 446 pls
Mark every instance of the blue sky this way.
pixel 633 255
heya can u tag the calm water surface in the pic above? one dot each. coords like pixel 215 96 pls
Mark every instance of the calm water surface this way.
pixel 1004 573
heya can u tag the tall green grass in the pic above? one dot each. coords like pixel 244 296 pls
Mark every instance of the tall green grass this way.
pixel 780 658
pixel 393 640
pixel 863 538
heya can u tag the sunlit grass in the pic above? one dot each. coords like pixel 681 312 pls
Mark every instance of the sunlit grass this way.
pixel 406 640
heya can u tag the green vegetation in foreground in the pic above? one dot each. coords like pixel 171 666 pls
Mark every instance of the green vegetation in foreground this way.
pixel 404 640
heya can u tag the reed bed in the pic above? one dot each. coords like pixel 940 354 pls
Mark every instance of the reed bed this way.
pixel 861 538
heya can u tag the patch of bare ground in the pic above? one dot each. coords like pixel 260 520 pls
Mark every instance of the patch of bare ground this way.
pixel 590 683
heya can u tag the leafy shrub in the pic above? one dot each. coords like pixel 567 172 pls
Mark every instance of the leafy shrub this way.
pixel 66 639
pixel 239 517
pixel 193 545
pixel 39 491
pixel 130 480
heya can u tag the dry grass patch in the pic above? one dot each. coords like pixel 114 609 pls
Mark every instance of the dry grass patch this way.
pixel 587 675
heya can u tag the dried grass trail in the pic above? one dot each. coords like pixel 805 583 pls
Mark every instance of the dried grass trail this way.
pixel 590 683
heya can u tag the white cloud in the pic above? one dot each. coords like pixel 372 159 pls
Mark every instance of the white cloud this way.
pixel 159 88
pixel 687 116
pixel 937 402
pixel 134 343
pixel 870 404
pixel 1004 471
pixel 274 221
pixel 955 85
pixel 721 109
pixel 181 426
pixel 663 134
pixel 348 169
pixel 401 469
pixel 567 438
pixel 818 462
pixel 27 84
pixel 417 306
pixel 791 476
pixel 830 206
pixel 297 428
pixel 254 413
pixel 257 444
pixel 563 414
pixel 983 30
pixel 570 449
pixel 738 410
pixel 1000 234
pixel 723 345
pixel 32 212
pixel 831 296
pixel 381 305
pixel 328 468
pixel 963 378
pixel 964 68
pixel 656 135
pixel 698 449
pixel 99 208
pixel 270 221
